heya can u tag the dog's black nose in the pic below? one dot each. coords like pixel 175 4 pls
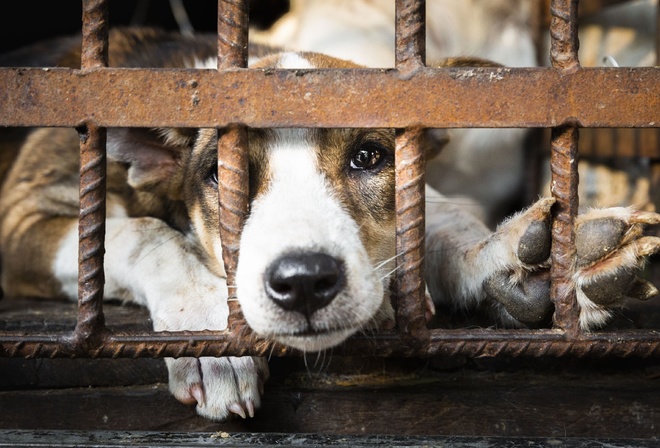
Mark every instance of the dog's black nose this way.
pixel 304 282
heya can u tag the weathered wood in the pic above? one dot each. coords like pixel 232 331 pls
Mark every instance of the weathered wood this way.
pixel 466 402
pixel 99 439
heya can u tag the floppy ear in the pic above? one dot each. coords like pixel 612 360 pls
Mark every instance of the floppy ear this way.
pixel 152 156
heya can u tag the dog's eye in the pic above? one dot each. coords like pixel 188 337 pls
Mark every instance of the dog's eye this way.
pixel 212 177
pixel 368 156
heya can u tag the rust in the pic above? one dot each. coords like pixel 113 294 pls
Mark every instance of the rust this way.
pixel 233 200
pixel 410 232
pixel 91 226
pixel 564 181
pixel 94 34
pixel 232 33
pixel 232 153
pixel 472 343
pixel 452 98
pixel 410 46
pixel 564 34
pixel 91 233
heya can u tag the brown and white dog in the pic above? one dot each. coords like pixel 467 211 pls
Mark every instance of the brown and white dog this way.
pixel 317 251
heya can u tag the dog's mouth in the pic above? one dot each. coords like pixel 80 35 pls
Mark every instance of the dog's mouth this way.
pixel 311 340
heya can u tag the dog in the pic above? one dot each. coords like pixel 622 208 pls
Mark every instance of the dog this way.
pixel 317 251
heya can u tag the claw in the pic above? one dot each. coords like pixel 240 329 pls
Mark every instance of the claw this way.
pixel 643 217
pixel 237 409
pixel 250 407
pixel 197 393
pixel 648 245
pixel 642 290
pixel 429 306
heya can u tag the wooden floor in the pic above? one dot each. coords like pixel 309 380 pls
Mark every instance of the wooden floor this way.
pixel 411 400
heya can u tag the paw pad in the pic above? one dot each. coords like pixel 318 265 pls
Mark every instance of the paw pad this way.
pixel 596 238
pixel 534 245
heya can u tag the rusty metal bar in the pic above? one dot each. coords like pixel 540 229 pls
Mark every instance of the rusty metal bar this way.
pixel 456 97
pixel 91 226
pixel 410 44
pixel 409 182
pixel 564 180
pixel 410 232
pixel 472 343
pixel 232 151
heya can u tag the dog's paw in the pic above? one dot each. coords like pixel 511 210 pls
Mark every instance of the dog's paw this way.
pixel 219 387
pixel 517 254
pixel 611 249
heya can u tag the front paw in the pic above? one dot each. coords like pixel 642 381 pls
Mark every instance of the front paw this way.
pixel 611 249
pixel 219 387
pixel 518 262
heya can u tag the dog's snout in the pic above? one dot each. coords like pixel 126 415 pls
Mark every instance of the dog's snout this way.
pixel 304 282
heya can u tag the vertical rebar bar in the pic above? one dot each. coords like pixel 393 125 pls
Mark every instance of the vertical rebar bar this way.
pixel 564 181
pixel 91 226
pixel 410 182
pixel 232 147
pixel 410 45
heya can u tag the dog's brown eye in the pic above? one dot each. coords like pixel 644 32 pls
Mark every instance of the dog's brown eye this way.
pixel 368 156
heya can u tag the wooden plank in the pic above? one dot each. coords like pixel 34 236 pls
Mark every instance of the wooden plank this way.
pixel 99 439
pixel 465 402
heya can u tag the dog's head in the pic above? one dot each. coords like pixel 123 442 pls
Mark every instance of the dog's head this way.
pixel 317 249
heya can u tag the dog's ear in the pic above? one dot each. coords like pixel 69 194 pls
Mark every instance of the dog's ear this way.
pixel 152 156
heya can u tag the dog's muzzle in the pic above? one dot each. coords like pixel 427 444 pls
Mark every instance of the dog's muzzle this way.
pixel 304 282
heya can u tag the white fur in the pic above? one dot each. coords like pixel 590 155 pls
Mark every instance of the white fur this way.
pixel 294 60
pixel 301 213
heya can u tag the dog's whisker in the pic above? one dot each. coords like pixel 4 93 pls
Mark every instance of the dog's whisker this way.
pixel 383 263
pixel 272 349
pixel 386 276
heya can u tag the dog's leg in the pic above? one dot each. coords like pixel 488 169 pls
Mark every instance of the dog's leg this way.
pixel 506 271
pixel 154 265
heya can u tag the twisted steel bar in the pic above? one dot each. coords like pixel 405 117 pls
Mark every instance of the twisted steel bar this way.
pixel 91 226
pixel 232 153
pixel 410 233
pixel 409 174
pixel 564 42
pixel 564 180
pixel 94 34
pixel 410 44
pixel 471 343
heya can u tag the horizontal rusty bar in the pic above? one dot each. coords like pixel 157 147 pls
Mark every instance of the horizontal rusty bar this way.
pixel 473 343
pixel 455 97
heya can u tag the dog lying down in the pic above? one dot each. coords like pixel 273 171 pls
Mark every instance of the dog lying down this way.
pixel 317 252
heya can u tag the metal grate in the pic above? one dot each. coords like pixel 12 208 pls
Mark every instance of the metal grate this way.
pixel 406 98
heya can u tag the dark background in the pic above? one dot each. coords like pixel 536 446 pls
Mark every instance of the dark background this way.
pixel 25 22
